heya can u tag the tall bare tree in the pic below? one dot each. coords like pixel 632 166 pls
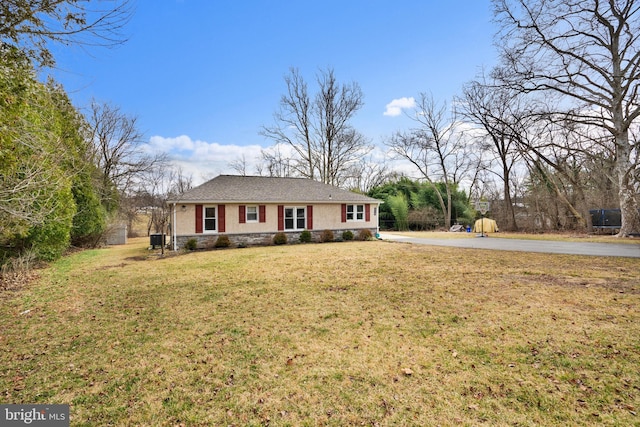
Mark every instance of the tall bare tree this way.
pixel 435 148
pixel 586 53
pixel 498 111
pixel 318 128
pixel 118 151
pixel 32 24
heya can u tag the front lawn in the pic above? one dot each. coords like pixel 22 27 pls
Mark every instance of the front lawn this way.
pixel 353 333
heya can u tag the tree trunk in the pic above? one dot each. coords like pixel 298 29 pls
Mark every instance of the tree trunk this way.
pixel 626 191
pixel 509 209
pixel 446 208
pixel 447 219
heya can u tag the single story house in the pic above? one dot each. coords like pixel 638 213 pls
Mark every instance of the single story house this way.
pixel 252 209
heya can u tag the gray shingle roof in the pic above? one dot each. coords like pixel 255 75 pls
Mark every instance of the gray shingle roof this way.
pixel 233 188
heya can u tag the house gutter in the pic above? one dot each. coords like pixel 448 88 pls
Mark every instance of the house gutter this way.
pixel 173 229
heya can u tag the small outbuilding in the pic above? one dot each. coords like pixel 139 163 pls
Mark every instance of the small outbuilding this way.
pixel 116 235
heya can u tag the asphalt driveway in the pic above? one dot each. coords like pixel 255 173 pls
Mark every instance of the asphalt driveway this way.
pixel 545 246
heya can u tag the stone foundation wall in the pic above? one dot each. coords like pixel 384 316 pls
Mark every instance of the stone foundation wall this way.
pixel 207 241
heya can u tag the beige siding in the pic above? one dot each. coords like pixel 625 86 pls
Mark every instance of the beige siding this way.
pixel 233 220
pixel 325 216
pixel 330 217
pixel 185 220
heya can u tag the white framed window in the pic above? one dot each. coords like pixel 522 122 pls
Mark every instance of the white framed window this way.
pixel 355 212
pixel 252 214
pixel 295 218
pixel 209 219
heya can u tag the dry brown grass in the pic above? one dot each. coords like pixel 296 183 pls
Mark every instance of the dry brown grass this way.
pixel 357 333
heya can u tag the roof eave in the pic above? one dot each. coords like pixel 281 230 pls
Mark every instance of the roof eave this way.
pixel 273 202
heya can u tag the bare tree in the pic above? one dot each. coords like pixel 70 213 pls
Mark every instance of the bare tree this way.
pixel 318 128
pixel 557 152
pixel 179 182
pixel 479 179
pixel 584 52
pixel 366 174
pixel 435 148
pixel 118 151
pixel 498 111
pixel 157 185
pixel 239 165
pixel 293 123
pixel 553 157
pixel 32 24
pixel 152 194
pixel 275 163
pixel 339 143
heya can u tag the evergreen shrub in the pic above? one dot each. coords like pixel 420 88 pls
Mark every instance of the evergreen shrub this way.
pixel 347 235
pixel 305 236
pixel 280 239
pixel 191 245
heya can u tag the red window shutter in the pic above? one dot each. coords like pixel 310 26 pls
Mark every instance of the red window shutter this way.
pixel 367 212
pixel 221 220
pixel 344 212
pixel 280 217
pixel 198 218
pixel 262 213
pixel 242 214
pixel 309 217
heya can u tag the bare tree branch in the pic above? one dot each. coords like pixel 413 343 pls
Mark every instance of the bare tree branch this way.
pixel 318 129
pixel 32 25
pixel 118 150
pixel 588 54
pixel 435 148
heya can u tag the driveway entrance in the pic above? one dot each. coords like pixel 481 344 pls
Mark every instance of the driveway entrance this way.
pixel 545 246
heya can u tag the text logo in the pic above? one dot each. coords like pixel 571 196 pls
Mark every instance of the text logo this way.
pixel 34 415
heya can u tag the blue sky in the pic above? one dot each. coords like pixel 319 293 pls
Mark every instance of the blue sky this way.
pixel 204 76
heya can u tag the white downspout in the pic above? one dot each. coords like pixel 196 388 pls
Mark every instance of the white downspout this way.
pixel 173 229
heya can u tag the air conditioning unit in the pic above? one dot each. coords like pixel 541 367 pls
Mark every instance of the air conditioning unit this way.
pixel 157 240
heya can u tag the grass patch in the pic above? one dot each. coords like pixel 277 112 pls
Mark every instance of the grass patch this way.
pixel 351 333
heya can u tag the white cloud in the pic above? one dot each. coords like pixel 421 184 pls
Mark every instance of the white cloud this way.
pixel 180 143
pixel 204 160
pixel 395 107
